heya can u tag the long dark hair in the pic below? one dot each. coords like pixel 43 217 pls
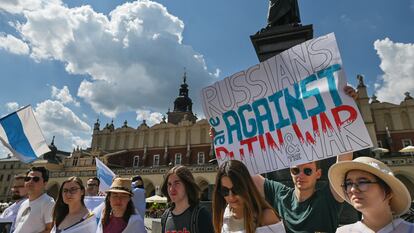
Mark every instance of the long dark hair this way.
pixel 61 209
pixel 130 210
pixel 191 188
pixel 254 203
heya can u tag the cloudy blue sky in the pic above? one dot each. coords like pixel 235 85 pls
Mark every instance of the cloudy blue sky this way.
pixel 77 60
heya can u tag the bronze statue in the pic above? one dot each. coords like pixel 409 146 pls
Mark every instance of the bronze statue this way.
pixel 283 12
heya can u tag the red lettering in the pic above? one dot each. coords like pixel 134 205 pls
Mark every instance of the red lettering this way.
pixel 221 149
pixel 351 118
pixel 325 122
pixel 262 143
pixel 297 132
pixel 270 141
pixel 249 142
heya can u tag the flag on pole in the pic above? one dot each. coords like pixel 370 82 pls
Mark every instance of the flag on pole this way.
pixel 104 174
pixel 21 134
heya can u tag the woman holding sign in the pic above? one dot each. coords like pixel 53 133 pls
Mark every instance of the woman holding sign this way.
pixel 371 188
pixel 70 214
pixel 238 205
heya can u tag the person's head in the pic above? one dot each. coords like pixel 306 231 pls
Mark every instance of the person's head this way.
pixel 235 188
pixel 369 186
pixel 306 175
pixel 71 194
pixel 35 181
pixel 180 187
pixel 118 200
pixel 18 189
pixel 137 182
pixel 92 186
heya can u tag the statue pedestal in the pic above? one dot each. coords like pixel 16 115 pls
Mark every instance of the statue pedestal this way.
pixel 277 39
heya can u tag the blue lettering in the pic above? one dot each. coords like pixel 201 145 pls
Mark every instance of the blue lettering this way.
pixel 275 99
pixel 252 122
pixel 267 116
pixel 328 73
pixel 294 103
pixel 314 92
pixel 235 126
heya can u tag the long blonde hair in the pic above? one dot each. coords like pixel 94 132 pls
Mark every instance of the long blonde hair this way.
pixel 254 203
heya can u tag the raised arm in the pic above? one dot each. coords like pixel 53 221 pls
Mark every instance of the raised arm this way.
pixel 340 158
pixel 259 180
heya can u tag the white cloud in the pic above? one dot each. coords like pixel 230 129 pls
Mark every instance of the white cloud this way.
pixel 398 67
pixel 131 56
pixel 151 118
pixel 13 45
pixel 63 95
pixel 12 106
pixel 19 6
pixel 57 120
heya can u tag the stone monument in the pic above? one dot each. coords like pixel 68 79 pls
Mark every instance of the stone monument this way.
pixel 283 29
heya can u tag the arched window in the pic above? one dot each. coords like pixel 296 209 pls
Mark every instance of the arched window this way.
pixel 156 161
pixel 136 161
pixel 177 159
pixel 200 158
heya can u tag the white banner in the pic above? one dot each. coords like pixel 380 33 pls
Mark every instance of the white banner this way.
pixel 288 110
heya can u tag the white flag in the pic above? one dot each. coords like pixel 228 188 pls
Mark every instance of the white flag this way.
pixel 104 174
pixel 21 134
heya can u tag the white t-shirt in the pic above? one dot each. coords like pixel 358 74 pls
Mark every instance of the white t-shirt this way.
pixel 33 216
pixel 396 226
pixel 232 225
pixel 11 212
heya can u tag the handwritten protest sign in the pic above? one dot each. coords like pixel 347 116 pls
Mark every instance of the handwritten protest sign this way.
pixel 288 110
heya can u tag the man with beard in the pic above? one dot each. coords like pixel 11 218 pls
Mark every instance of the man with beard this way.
pixel 19 194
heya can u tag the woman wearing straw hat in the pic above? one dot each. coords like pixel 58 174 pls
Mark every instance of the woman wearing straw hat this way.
pixel 118 215
pixel 371 188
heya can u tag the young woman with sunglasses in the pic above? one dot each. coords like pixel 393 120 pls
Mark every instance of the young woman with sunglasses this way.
pixel 238 205
pixel 70 213
pixel 371 188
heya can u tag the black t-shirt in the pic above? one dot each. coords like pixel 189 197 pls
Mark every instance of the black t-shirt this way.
pixel 182 223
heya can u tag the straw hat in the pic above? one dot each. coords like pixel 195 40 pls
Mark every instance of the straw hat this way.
pixel 401 199
pixel 121 185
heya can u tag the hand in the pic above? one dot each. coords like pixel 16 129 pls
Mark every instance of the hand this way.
pixel 211 133
pixel 350 91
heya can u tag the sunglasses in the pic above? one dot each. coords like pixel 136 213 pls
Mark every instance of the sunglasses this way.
pixel 361 185
pixel 307 171
pixel 71 191
pixel 224 191
pixel 92 185
pixel 34 178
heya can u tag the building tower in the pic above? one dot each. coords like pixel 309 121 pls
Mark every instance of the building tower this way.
pixel 182 106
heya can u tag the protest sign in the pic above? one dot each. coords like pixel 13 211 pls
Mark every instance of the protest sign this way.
pixel 288 110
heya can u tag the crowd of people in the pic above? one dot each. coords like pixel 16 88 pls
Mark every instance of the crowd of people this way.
pixel 241 202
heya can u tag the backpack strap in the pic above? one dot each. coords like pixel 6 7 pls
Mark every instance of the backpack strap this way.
pixel 164 219
pixel 194 219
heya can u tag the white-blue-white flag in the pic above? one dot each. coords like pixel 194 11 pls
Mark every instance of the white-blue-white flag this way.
pixel 104 174
pixel 21 134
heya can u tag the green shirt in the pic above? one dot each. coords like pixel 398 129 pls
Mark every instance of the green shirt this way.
pixel 319 213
